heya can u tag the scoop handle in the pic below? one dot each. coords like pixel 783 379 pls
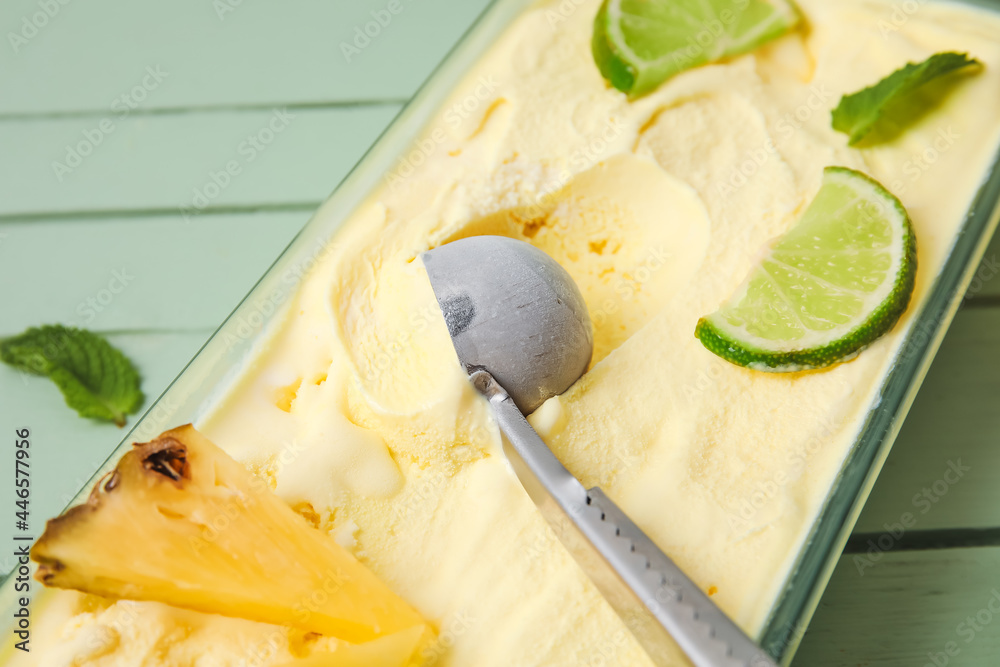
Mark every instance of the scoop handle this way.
pixel 701 629
pixel 659 604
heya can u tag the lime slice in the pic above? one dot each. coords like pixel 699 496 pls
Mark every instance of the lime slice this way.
pixel 638 44
pixel 828 288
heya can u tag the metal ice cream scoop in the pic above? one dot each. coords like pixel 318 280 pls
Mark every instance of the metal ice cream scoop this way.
pixel 521 330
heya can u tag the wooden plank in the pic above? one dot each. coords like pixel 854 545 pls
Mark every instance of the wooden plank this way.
pixel 125 274
pixel 66 449
pixel 151 273
pixel 172 161
pixel 954 421
pixel 909 610
pixel 261 53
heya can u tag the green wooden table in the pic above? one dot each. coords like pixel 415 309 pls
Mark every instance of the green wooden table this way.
pixel 114 116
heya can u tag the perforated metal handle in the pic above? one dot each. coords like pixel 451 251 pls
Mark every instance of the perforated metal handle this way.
pixel 705 634
pixel 662 607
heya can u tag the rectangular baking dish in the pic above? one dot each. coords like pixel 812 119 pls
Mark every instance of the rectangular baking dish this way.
pixel 218 362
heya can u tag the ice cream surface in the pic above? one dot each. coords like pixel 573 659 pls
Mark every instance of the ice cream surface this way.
pixel 357 411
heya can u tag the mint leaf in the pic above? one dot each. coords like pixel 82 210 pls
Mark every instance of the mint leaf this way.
pixel 857 114
pixel 96 379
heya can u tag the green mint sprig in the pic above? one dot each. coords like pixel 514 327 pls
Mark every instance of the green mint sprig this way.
pixel 95 378
pixel 857 114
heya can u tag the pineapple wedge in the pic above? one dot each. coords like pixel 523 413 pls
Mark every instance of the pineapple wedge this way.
pixel 180 522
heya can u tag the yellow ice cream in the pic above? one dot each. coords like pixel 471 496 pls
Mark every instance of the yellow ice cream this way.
pixel 358 412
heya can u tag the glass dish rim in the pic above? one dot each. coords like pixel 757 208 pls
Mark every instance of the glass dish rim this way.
pixel 793 608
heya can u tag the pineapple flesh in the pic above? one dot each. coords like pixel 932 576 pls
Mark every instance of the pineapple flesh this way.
pixel 393 651
pixel 180 522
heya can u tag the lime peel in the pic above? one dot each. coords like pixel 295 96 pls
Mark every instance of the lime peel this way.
pixel 833 284
pixel 638 44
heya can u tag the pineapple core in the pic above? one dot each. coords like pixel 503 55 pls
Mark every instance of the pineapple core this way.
pixel 180 522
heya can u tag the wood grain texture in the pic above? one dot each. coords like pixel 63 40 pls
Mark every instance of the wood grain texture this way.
pixel 260 53
pixel 175 162
pixel 153 274
pixel 909 610
pixel 954 422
